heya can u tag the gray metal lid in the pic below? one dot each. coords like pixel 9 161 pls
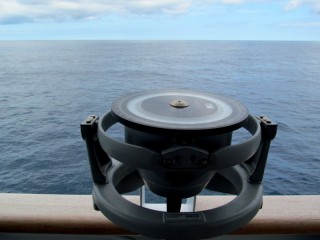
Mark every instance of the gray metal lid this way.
pixel 180 110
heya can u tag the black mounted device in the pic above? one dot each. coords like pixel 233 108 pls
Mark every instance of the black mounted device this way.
pixel 176 144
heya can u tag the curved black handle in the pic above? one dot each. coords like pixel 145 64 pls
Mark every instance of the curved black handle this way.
pixel 130 154
pixel 235 154
pixel 144 158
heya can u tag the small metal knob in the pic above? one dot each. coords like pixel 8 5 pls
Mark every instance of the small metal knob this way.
pixel 179 104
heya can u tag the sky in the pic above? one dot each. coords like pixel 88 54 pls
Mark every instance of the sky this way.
pixel 285 20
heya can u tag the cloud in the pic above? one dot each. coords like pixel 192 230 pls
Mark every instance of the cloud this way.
pixel 19 11
pixel 15 20
pixel 82 9
pixel 11 10
pixel 232 1
pixel 294 4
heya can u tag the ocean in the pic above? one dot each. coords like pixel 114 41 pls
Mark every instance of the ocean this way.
pixel 48 87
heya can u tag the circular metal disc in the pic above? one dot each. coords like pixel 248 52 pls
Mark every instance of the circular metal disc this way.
pixel 179 110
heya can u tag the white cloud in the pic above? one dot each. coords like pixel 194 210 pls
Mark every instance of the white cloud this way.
pixel 232 1
pixel 293 4
pixel 74 9
pixel 11 10
pixel 16 11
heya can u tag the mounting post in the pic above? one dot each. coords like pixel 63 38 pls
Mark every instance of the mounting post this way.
pixel 269 131
pixel 98 159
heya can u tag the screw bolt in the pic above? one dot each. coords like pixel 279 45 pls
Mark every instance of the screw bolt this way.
pixel 167 161
pixel 203 162
pixel 90 118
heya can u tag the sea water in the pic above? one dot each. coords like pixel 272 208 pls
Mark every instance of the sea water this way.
pixel 48 87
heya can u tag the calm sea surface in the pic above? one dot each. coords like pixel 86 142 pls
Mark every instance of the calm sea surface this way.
pixel 48 87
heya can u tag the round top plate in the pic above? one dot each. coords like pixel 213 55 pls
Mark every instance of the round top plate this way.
pixel 180 110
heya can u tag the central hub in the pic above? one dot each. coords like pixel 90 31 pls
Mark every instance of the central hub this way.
pixel 179 104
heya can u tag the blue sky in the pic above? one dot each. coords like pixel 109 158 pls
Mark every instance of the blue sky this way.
pixel 160 19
